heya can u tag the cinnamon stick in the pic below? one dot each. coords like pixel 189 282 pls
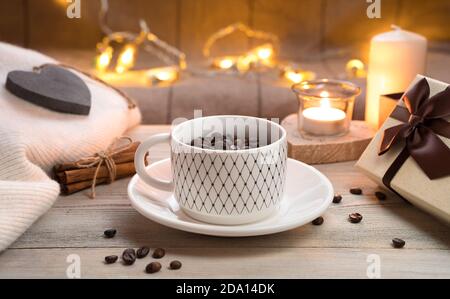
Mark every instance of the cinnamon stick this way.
pixel 79 186
pixel 122 157
pixel 84 174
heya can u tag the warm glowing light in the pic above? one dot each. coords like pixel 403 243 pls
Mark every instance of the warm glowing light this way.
pixel 324 94
pixel 120 69
pixel 294 76
pixel 265 53
pixel 325 112
pixel 325 103
pixel 61 2
pixel 355 68
pixel 297 76
pixel 165 74
pixel 262 54
pixel 226 63
pixel 244 62
pixel 126 59
pixel 104 59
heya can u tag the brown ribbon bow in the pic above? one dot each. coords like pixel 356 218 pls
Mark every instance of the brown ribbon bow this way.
pixel 423 120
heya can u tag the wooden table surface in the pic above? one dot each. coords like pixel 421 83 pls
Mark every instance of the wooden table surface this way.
pixel 337 249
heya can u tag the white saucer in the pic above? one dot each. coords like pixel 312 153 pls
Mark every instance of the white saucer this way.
pixel 308 194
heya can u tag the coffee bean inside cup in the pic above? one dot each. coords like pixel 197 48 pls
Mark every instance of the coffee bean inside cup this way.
pixel 225 142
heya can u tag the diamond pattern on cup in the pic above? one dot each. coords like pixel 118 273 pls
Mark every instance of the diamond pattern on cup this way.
pixel 230 183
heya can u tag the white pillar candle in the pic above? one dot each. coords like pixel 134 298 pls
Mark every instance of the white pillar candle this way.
pixel 396 57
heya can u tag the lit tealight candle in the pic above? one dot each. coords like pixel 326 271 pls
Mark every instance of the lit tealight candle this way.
pixel 324 120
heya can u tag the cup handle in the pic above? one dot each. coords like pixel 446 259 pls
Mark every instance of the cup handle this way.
pixel 140 163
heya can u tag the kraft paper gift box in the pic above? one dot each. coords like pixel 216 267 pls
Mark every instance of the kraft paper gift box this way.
pixel 424 183
pixel 388 102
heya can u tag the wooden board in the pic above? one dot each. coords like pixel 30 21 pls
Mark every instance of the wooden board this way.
pixel 237 263
pixel 213 96
pixel 304 27
pixel 426 17
pixel 201 18
pixel 50 27
pixel 13 22
pixel 345 24
pixel 327 149
pixel 296 23
pixel 337 249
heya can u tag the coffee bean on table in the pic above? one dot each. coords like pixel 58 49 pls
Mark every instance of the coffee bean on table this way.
pixel 318 221
pixel 398 243
pixel 356 191
pixel 355 218
pixel 337 199
pixel 153 267
pixel 380 195
pixel 110 233
pixel 142 252
pixel 159 253
pixel 175 265
pixel 111 259
pixel 129 256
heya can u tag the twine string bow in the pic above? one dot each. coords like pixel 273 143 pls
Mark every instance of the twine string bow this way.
pixel 105 157
pixel 423 120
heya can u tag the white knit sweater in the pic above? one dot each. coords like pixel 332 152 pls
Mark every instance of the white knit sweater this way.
pixel 34 139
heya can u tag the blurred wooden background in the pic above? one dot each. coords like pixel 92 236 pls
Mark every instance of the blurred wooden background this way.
pixel 305 27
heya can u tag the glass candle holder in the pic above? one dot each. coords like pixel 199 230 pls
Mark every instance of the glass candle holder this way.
pixel 326 107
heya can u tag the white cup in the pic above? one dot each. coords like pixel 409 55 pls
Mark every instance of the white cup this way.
pixel 227 187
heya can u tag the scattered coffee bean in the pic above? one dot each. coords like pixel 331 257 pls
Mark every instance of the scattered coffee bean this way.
pixel 398 243
pixel 356 191
pixel 175 265
pixel 355 218
pixel 129 256
pixel 153 267
pixel 142 252
pixel 337 199
pixel 159 253
pixel 111 259
pixel 110 233
pixel 380 195
pixel 318 221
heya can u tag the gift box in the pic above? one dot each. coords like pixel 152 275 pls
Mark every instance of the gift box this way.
pixel 410 154
pixel 388 102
